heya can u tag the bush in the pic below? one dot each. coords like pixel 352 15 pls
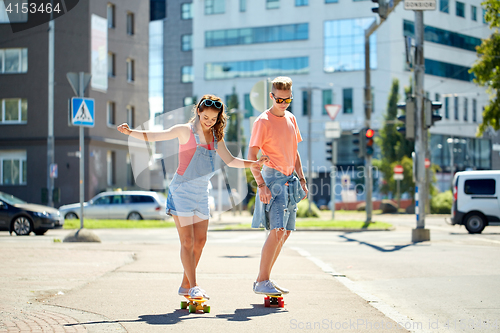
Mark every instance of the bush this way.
pixel 441 203
pixel 303 209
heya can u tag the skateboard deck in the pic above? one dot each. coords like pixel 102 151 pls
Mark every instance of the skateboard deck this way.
pixel 274 301
pixel 195 304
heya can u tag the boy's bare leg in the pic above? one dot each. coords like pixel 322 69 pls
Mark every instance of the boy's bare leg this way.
pixel 200 238
pixel 270 252
pixel 278 250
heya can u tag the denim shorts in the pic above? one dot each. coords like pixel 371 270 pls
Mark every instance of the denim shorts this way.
pixel 188 198
pixel 279 215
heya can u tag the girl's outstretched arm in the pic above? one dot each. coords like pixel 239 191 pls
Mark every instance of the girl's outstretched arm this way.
pixel 178 131
pixel 235 162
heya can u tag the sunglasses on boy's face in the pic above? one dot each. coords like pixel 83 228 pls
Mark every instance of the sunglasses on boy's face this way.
pixel 281 100
pixel 209 102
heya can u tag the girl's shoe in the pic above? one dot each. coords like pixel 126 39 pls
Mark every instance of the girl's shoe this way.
pixel 196 292
pixel 183 291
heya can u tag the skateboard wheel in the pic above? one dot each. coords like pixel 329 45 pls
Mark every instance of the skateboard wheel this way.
pixel 192 308
pixel 184 305
pixel 281 303
pixel 267 302
pixel 206 309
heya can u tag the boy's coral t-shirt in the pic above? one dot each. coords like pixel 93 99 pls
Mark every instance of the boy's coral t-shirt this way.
pixel 277 137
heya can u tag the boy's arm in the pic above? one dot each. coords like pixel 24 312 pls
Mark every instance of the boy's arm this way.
pixel 300 174
pixel 264 192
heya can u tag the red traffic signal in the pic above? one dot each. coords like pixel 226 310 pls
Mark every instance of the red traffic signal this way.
pixel 369 133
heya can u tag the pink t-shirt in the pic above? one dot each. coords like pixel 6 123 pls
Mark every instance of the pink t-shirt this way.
pixel 186 153
pixel 277 137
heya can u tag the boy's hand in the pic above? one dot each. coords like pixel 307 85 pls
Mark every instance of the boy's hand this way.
pixel 265 194
pixel 124 128
pixel 304 187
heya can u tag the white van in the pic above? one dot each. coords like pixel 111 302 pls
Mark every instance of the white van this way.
pixel 476 199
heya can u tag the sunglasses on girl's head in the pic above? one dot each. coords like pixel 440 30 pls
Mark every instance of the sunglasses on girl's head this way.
pixel 281 100
pixel 209 102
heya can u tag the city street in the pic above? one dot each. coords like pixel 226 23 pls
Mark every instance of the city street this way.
pixel 359 281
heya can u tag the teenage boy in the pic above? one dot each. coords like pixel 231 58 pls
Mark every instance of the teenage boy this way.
pixel 276 134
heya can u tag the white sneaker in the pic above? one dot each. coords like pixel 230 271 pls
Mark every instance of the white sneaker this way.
pixel 195 292
pixel 265 287
pixel 183 291
pixel 283 290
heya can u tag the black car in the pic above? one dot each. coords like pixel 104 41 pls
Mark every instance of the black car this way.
pixel 23 218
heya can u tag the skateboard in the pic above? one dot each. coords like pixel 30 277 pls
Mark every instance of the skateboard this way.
pixel 195 304
pixel 274 301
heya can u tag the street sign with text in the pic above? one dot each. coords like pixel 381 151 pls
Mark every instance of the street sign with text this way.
pixel 420 4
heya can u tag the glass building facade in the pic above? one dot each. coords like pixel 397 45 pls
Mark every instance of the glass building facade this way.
pixel 270 34
pixel 253 68
pixel 344 45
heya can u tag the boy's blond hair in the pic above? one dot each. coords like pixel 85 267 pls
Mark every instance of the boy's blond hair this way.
pixel 282 83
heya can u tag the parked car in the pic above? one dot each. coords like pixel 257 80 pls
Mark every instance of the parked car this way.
pixel 130 205
pixel 476 199
pixel 23 218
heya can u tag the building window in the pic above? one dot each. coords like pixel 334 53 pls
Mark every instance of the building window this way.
pixel 443 69
pixel 447 107
pixel 253 68
pixel 243 5
pixel 130 173
pixel 460 9
pixel 331 1
pixel 157 10
pixel 130 70
pixel 111 64
pixel 444 6
pixel 215 7
pixel 111 167
pixel 13 61
pixel 187 74
pixel 131 116
pixel 466 109
pixel 272 4
pixel 130 24
pixel 474 110
pixel 347 97
pixel 484 16
pixel 437 97
pixel 443 37
pixel 304 102
pixel 245 36
pixel 248 106
pixel 327 99
pixel 455 107
pixel 187 43
pixel 13 167
pixel 344 45
pixel 15 16
pixel 13 111
pixel 187 11
pixel 111 16
pixel 473 13
pixel 111 113
pixel 301 3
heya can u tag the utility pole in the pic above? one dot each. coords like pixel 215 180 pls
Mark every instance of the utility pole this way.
pixel 50 134
pixel 309 146
pixel 420 234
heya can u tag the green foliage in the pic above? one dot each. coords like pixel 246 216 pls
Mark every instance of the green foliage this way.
pixel 441 203
pixel 487 68
pixel 303 209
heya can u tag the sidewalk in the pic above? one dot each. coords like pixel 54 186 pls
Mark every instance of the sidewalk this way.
pixel 127 285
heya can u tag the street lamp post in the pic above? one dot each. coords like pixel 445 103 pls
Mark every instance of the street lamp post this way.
pixel 450 142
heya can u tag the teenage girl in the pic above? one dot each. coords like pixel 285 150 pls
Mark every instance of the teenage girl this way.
pixel 199 140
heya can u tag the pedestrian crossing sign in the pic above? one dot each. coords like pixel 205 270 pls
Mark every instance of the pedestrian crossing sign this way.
pixel 82 112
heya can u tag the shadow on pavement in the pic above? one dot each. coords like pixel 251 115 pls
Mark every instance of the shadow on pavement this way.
pixel 378 248
pixel 257 310
pixel 177 316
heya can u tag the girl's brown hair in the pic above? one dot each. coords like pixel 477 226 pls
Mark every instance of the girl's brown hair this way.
pixel 220 124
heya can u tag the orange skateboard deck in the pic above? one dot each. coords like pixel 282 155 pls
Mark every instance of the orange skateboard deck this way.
pixel 195 304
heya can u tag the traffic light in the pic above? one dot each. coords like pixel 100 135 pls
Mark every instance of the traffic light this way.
pixel 329 151
pixel 431 116
pixel 382 9
pixel 359 142
pixel 408 118
pixel 369 133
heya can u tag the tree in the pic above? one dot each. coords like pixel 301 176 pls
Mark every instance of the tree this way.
pixel 487 68
pixel 394 147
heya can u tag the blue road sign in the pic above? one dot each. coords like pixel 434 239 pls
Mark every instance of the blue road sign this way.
pixel 82 112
